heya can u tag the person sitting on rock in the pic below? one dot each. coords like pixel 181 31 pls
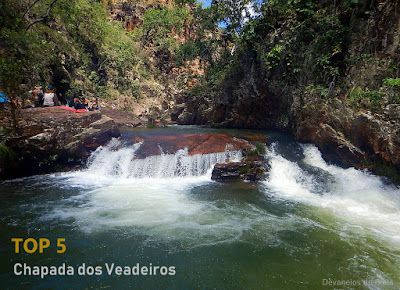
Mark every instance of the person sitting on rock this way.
pixel 85 102
pixel 94 104
pixel 70 102
pixel 77 104
pixel 37 94
pixel 73 101
pixel 126 106
pixel 50 98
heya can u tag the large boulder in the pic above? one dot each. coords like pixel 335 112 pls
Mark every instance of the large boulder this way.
pixel 52 139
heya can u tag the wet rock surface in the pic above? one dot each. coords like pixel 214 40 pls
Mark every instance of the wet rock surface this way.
pixel 249 170
pixel 348 137
pixel 199 143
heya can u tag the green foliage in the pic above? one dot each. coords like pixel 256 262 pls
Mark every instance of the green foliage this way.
pixel 375 100
pixel 392 67
pixel 295 41
pixel 7 155
pixel 258 151
pixel 49 161
pixel 76 49
pixel 244 169
pixel 365 99
pixel 274 56
pixel 394 85
pixel 186 52
pixel 158 24
pixel 390 82
pixel 317 90
pixel 260 147
pixel 356 96
pixel 233 13
pixel 395 99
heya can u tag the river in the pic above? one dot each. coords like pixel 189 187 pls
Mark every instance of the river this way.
pixel 309 225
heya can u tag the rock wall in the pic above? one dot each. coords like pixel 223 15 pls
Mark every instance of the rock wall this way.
pixel 358 137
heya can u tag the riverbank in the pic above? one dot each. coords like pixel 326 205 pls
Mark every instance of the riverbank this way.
pixel 52 139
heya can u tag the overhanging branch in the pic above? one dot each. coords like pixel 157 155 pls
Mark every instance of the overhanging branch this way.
pixel 30 7
pixel 45 16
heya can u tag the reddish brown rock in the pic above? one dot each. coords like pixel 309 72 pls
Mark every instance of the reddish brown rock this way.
pixel 195 143
pixel 123 118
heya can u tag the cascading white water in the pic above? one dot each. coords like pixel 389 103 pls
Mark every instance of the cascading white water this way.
pixel 358 200
pixel 152 193
pixel 117 161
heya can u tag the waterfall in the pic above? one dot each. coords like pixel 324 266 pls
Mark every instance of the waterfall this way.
pixel 153 192
pixel 119 161
pixel 166 209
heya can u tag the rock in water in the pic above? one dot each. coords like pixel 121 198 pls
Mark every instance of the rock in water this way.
pixel 233 171
pixel 196 143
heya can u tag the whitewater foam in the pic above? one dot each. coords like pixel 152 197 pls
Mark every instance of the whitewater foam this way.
pixel 120 162
pixel 356 197
pixel 152 195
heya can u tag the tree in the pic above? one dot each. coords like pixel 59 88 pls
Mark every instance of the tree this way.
pixel 44 15
pixel 235 13
pixel 160 24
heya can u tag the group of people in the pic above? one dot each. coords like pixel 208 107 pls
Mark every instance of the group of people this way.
pixel 82 103
pixel 47 99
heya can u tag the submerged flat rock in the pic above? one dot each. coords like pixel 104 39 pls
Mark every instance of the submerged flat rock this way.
pixel 197 143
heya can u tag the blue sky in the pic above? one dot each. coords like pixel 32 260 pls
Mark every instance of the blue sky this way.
pixel 207 2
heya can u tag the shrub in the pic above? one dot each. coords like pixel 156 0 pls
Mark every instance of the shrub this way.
pixel 368 99
pixel 7 155
pixel 390 82
pixel 259 150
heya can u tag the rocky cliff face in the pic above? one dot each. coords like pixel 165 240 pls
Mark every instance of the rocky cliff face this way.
pixel 160 94
pixel 52 139
pixel 362 136
pixel 130 13
pixel 352 138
